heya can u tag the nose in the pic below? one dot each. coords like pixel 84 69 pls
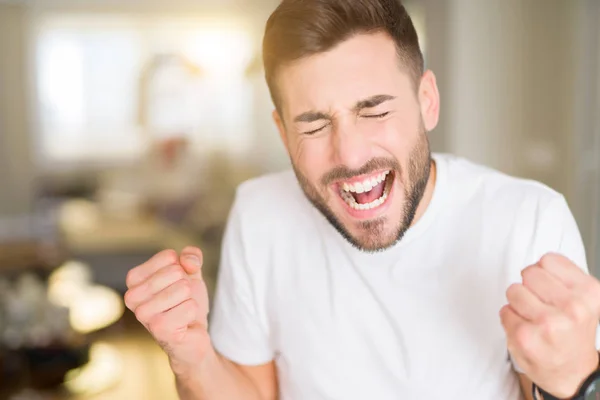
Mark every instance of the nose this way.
pixel 351 147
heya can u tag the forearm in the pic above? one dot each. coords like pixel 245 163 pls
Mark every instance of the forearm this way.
pixel 217 379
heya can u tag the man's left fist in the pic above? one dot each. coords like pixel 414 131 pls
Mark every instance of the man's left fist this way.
pixel 550 322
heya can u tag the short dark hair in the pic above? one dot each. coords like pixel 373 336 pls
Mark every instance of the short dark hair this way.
pixel 301 28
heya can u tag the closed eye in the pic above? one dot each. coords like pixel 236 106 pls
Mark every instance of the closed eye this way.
pixel 376 116
pixel 308 133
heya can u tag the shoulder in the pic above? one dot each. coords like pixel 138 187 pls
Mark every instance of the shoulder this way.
pixel 270 219
pixel 270 194
pixel 269 188
pixel 524 218
pixel 472 182
pixel 271 203
pixel 522 213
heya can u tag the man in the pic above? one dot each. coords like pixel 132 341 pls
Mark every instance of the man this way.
pixel 381 272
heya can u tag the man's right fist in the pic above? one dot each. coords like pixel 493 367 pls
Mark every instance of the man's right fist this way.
pixel 169 297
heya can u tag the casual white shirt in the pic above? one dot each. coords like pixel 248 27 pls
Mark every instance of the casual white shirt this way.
pixel 417 321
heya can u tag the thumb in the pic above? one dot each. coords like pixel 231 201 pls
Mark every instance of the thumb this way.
pixel 191 261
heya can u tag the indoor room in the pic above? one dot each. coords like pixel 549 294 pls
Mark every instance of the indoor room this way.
pixel 126 128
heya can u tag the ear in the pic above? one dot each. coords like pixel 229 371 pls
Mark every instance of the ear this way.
pixel 429 100
pixel 281 128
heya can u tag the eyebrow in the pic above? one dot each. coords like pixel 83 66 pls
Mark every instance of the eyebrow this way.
pixel 311 116
pixel 374 101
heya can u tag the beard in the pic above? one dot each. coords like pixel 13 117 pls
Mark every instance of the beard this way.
pixel 373 236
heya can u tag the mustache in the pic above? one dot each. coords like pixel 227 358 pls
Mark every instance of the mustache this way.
pixel 344 173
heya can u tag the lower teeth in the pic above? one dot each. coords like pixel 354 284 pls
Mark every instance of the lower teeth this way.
pixel 349 199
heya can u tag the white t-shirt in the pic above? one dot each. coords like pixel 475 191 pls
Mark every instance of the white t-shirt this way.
pixel 417 321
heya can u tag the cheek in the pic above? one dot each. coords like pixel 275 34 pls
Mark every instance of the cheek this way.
pixel 310 155
pixel 399 141
pixel 395 138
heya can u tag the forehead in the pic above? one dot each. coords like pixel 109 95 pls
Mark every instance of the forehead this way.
pixel 360 67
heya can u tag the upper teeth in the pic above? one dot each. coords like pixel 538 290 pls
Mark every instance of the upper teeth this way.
pixel 366 185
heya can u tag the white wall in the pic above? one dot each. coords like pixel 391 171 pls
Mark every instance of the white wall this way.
pixel 16 169
pixel 587 127
pixel 508 81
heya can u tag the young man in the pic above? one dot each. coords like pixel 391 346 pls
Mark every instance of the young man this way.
pixel 374 270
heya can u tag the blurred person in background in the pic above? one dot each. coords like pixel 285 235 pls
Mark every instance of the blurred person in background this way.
pixel 375 269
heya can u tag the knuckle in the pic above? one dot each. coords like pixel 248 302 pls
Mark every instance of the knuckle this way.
pixel 548 258
pixel 176 272
pixel 526 272
pixel 190 309
pixel 144 313
pixel 552 259
pixel 131 277
pixel 552 328
pixel 184 288
pixel 512 291
pixel 530 274
pixel 129 299
pixel 165 278
pixel 504 312
pixel 170 256
pixel 523 339
pixel 547 325
pixel 156 326
pixel 576 311
pixel 550 332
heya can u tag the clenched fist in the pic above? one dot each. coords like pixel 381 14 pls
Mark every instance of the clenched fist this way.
pixel 168 296
pixel 550 322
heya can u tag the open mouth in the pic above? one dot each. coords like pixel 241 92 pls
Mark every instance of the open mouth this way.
pixel 368 193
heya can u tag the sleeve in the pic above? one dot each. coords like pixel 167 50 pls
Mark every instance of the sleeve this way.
pixel 570 243
pixel 558 233
pixel 235 324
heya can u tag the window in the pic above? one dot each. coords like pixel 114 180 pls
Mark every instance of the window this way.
pixel 107 85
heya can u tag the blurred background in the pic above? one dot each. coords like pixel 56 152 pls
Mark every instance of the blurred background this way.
pixel 125 127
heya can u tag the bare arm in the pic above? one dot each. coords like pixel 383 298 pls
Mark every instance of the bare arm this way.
pixel 169 297
pixel 222 379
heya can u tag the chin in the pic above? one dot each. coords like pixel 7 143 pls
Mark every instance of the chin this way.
pixel 375 235
pixel 366 210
